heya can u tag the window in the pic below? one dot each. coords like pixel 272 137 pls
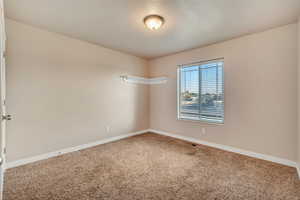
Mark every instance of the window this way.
pixel 201 91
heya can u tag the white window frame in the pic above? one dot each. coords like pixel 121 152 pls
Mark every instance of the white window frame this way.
pixel 179 67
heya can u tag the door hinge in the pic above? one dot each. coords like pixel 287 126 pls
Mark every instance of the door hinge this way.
pixel 6 117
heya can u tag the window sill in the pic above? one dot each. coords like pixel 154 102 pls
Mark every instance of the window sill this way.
pixel 206 121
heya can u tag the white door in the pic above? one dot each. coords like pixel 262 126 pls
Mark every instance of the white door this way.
pixel 3 116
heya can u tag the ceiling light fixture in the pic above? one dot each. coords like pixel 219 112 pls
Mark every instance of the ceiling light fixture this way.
pixel 153 22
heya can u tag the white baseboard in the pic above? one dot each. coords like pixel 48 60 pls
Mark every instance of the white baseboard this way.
pixel 68 150
pixel 189 139
pixel 231 149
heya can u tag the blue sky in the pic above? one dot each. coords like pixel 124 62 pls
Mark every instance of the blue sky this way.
pixel 190 77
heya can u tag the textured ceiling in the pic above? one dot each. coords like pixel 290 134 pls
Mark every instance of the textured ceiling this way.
pixel 118 24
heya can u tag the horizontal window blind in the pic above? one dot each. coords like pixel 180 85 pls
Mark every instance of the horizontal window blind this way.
pixel 201 92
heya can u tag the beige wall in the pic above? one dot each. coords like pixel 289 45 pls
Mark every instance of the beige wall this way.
pixel 63 92
pixel 260 93
pixel 298 93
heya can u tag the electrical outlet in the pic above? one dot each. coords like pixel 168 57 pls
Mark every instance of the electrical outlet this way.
pixel 203 131
pixel 107 129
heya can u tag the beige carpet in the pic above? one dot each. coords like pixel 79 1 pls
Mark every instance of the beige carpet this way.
pixel 153 167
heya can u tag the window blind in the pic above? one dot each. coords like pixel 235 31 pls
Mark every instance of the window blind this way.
pixel 201 91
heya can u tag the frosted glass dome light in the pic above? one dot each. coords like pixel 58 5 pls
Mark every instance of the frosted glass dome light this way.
pixel 154 22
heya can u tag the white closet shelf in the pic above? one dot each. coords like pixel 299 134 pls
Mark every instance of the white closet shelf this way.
pixel 143 80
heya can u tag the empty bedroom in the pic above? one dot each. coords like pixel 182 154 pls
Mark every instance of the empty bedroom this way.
pixel 150 100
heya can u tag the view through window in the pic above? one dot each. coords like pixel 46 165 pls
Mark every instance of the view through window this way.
pixel 201 92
